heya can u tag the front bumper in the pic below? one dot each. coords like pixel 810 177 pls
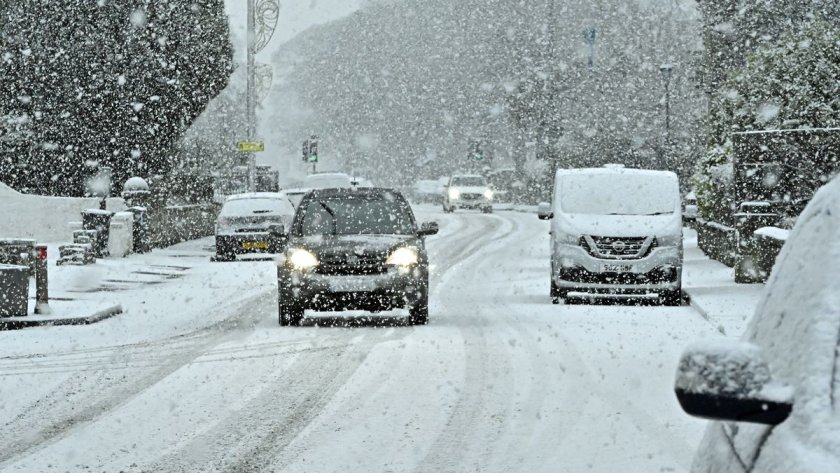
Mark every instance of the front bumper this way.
pixel 574 269
pixel 398 287
pixel 481 203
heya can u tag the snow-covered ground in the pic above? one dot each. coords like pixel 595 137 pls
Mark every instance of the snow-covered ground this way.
pixel 198 376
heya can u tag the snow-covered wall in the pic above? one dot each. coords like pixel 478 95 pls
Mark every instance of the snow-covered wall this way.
pixel 43 218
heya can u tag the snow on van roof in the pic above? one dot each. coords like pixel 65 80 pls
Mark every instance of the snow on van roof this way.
pixel 615 170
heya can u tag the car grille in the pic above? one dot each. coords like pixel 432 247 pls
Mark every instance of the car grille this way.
pixel 659 275
pixel 621 248
pixel 471 196
pixel 351 265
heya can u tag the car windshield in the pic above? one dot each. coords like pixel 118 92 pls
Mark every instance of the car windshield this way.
pixel 617 194
pixel 469 181
pixel 357 215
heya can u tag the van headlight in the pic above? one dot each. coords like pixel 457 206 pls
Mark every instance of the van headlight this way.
pixel 488 194
pixel 403 257
pixel 454 194
pixel 302 259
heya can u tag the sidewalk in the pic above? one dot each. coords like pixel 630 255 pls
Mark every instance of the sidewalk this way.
pixel 711 288
pixel 82 295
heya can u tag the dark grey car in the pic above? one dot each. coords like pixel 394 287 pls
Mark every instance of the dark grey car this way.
pixel 354 249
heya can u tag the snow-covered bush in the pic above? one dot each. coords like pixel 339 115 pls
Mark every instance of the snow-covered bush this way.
pixel 787 84
pixel 106 84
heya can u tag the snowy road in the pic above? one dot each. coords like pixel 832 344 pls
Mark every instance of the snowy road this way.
pixel 499 381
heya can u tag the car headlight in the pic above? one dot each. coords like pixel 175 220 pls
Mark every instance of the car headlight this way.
pixel 454 194
pixel 488 194
pixel 403 257
pixel 302 259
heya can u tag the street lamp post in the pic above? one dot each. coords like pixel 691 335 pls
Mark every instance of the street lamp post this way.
pixel 665 70
pixel 262 20
pixel 250 99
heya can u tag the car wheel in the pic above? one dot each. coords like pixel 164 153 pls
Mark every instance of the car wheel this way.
pixel 418 314
pixel 487 210
pixel 224 257
pixel 290 314
pixel 671 298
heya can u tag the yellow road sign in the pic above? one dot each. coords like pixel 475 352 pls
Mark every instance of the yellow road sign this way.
pixel 251 146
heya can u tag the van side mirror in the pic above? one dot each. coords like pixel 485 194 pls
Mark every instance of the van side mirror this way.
pixel 730 381
pixel 428 228
pixel 544 211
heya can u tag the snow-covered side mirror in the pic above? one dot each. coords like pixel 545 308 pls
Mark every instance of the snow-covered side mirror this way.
pixel 544 211
pixel 428 228
pixel 729 380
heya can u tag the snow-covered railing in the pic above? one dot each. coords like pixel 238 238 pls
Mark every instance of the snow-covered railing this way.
pixel 176 223
pixel 766 245
pixel 717 241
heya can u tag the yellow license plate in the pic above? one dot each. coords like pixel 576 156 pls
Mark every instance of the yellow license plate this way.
pixel 255 245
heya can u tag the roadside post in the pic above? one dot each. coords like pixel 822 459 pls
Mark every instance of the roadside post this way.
pixel 42 293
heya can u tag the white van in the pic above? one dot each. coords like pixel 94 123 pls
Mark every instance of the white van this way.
pixel 615 232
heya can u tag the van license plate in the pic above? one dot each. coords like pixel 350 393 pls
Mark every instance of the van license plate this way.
pixel 618 268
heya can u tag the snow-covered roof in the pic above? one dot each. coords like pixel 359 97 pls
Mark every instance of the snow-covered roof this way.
pixel 296 190
pixel 615 170
pixel 256 195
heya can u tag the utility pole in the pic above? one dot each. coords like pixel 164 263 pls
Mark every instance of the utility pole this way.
pixel 262 20
pixel 250 99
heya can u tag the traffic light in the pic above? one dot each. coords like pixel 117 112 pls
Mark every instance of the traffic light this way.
pixel 313 151
pixel 305 150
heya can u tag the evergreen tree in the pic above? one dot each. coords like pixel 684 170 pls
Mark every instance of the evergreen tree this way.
pixel 106 84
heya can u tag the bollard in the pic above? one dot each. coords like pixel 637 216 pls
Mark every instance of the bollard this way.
pixel 42 293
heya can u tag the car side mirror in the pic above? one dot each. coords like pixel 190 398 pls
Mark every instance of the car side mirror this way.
pixel 730 381
pixel 544 211
pixel 428 228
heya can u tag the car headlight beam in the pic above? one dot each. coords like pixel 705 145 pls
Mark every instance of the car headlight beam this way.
pixel 301 259
pixel 403 257
pixel 454 194
pixel 488 194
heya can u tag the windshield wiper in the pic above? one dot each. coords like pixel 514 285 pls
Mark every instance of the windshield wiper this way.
pixel 659 213
pixel 332 214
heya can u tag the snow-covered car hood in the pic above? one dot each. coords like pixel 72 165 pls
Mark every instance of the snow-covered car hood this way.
pixel 354 244
pixel 620 225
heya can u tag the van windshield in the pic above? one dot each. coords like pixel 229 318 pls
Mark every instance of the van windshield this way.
pixel 618 194
pixel 469 181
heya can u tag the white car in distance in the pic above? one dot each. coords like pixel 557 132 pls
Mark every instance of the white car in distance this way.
pixel 468 191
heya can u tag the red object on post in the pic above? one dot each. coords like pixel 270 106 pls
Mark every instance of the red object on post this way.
pixel 42 293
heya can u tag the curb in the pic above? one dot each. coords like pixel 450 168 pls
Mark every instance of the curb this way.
pixel 17 323
pixel 692 302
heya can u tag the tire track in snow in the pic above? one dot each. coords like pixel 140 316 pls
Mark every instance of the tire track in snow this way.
pixel 244 441
pixel 85 398
pixel 471 424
